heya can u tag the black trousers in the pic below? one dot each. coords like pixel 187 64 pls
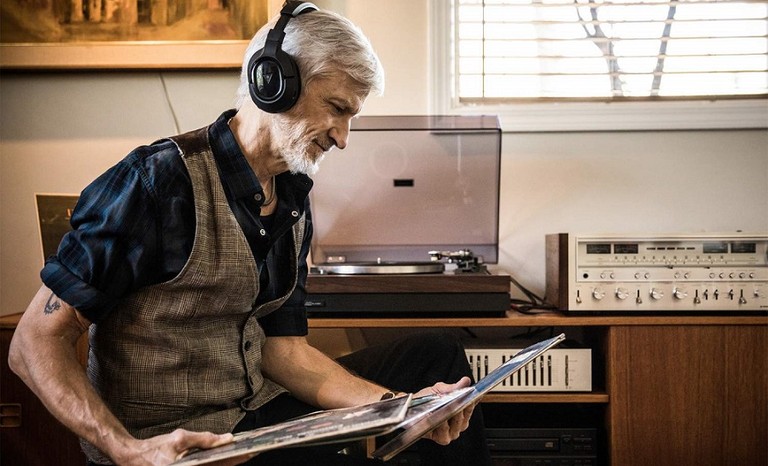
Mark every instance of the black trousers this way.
pixel 408 365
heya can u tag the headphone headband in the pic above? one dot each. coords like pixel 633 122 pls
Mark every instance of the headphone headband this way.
pixel 297 8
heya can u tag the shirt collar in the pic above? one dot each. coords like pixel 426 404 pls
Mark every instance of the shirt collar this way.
pixel 236 175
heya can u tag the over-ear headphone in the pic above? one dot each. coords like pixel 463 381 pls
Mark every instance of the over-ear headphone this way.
pixel 273 76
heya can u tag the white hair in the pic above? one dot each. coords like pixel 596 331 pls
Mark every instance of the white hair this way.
pixel 321 42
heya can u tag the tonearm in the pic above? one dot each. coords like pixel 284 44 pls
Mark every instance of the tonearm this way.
pixel 464 259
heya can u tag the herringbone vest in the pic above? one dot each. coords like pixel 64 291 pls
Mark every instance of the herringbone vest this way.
pixel 187 353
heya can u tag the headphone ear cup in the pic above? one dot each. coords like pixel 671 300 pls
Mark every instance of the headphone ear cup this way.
pixel 273 81
pixel 273 76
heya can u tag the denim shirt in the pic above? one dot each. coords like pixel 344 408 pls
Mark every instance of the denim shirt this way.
pixel 134 226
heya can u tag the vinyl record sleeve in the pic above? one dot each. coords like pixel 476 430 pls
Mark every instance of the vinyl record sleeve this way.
pixel 329 426
pixel 430 419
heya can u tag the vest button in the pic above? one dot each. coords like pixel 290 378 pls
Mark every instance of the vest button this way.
pixel 257 197
pixel 263 232
pixel 295 213
pixel 248 345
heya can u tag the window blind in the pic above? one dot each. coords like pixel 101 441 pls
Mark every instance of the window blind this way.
pixel 511 50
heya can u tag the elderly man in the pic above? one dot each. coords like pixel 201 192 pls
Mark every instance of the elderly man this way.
pixel 187 265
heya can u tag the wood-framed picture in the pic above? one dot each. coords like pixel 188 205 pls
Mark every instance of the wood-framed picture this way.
pixel 128 34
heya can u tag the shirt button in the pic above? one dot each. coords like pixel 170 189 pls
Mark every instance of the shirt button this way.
pixel 295 213
pixel 263 232
pixel 257 197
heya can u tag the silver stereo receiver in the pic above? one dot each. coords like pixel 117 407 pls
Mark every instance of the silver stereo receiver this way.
pixel 678 273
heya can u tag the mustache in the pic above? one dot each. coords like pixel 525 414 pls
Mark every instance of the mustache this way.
pixel 325 144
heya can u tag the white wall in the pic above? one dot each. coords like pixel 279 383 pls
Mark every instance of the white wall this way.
pixel 58 131
pixel 625 183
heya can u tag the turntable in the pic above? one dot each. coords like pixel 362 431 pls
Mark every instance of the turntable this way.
pixel 405 219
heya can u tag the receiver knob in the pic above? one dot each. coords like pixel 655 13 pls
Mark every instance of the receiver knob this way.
pixel 680 293
pixel 622 293
pixel 656 294
pixel 598 293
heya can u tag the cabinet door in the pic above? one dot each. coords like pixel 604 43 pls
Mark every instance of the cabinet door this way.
pixel 688 395
pixel 39 439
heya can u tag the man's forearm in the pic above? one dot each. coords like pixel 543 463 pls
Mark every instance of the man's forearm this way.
pixel 43 354
pixel 313 377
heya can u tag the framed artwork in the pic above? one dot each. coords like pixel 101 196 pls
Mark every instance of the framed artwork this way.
pixel 128 34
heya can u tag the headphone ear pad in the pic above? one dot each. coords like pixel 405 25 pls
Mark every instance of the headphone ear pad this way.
pixel 273 81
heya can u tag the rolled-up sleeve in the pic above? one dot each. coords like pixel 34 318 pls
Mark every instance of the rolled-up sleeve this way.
pixel 114 243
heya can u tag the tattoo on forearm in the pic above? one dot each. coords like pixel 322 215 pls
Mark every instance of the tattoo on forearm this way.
pixel 53 304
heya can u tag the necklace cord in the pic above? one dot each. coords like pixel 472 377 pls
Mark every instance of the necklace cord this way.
pixel 271 198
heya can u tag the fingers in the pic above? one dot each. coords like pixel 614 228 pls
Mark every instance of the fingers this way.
pixel 462 383
pixel 185 439
pixel 206 440
pixel 450 430
pixel 442 434
pixel 441 388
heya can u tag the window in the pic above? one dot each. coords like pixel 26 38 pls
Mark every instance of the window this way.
pixel 700 63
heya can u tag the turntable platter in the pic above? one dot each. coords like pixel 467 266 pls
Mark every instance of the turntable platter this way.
pixel 380 268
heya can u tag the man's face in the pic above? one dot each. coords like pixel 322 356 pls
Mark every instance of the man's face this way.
pixel 319 121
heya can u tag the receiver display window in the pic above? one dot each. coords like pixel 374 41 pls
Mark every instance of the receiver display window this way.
pixel 743 248
pixel 598 248
pixel 625 248
pixel 719 247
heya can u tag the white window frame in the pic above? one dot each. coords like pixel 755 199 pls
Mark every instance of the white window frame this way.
pixel 581 116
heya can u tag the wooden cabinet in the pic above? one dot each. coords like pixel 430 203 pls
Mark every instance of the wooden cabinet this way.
pixel 668 390
pixel 686 394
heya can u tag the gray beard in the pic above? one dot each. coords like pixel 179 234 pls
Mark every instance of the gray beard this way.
pixel 297 163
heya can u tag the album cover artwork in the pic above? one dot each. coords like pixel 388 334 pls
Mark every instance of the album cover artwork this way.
pixel 329 426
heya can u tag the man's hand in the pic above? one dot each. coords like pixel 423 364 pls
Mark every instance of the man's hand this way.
pixel 167 448
pixel 449 431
